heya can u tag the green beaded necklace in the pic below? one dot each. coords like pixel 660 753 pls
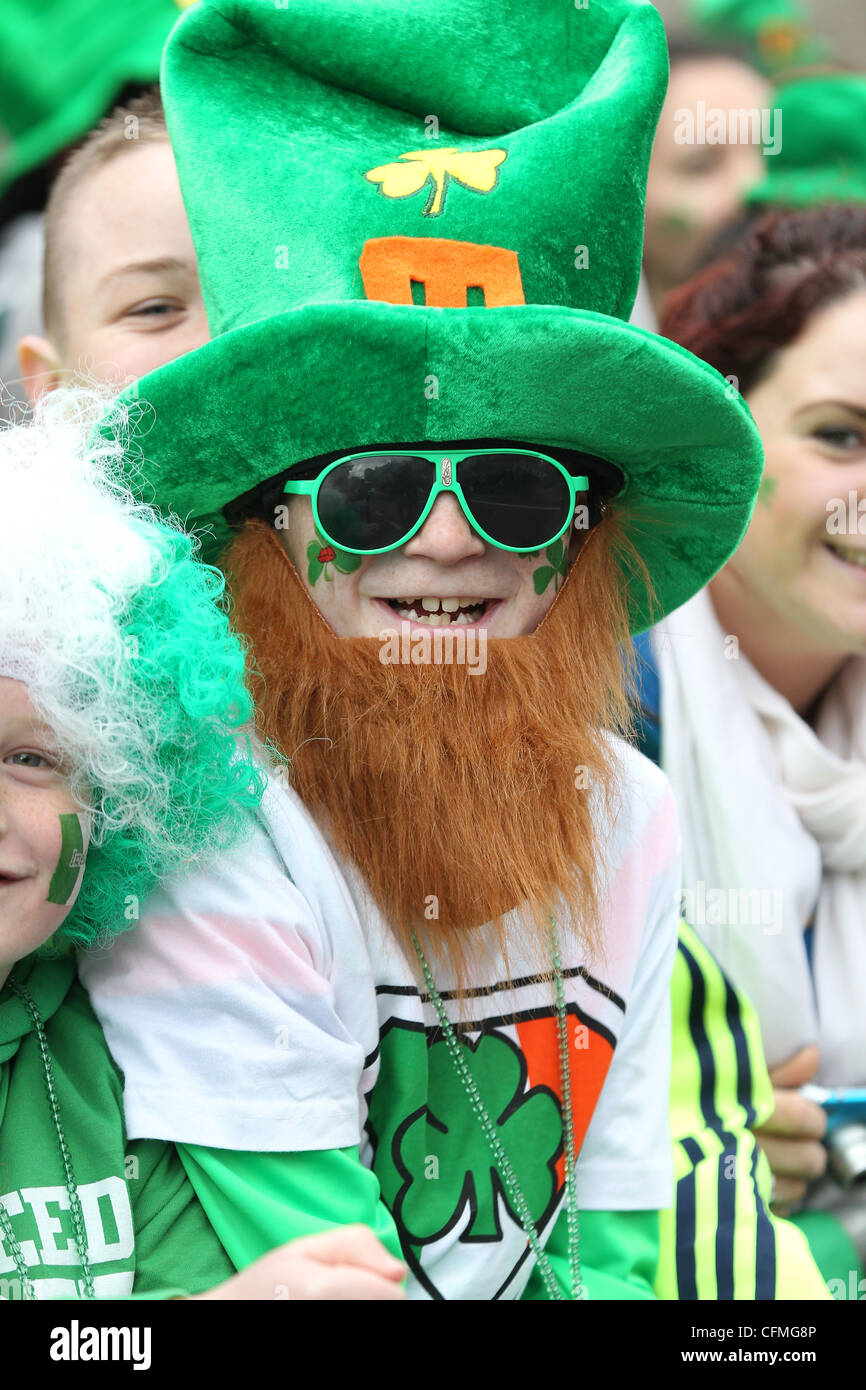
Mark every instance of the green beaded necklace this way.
pixel 80 1237
pixel 500 1157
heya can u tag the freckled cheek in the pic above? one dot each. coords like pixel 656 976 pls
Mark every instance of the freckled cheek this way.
pixel 530 605
pixel 340 594
pixel 525 588
pixel 34 822
pixel 526 571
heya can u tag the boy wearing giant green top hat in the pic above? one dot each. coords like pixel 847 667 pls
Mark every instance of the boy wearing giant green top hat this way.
pixel 434 996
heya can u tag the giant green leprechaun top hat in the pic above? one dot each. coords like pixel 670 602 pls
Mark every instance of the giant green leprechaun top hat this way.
pixel 422 220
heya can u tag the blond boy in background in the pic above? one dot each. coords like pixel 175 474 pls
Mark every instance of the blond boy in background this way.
pixel 121 294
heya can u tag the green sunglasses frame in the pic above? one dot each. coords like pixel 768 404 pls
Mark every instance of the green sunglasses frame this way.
pixel 446 481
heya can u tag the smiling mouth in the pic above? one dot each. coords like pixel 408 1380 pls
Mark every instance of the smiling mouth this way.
pixel 848 554
pixel 441 612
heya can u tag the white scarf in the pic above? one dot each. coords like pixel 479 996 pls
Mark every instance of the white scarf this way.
pixel 774 827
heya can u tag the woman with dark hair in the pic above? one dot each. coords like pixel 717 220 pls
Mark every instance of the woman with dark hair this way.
pixel 760 685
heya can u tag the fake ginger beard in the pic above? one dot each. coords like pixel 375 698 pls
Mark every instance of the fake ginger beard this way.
pixel 476 793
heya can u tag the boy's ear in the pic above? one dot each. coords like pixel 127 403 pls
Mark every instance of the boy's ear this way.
pixel 40 366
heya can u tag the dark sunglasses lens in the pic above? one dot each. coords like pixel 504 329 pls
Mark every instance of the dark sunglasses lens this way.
pixel 371 502
pixel 517 499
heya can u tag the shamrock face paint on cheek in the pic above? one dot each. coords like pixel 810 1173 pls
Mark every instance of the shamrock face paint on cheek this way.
pixel 320 555
pixel 555 571
pixel 44 854
pixel 67 876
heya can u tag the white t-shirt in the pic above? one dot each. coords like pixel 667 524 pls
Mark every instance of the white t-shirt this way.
pixel 252 1010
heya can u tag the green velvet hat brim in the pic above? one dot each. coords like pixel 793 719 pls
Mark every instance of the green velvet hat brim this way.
pixel 329 376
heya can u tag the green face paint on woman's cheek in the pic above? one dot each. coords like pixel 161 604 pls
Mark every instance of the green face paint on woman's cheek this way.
pixel 677 221
pixel 767 490
pixel 70 862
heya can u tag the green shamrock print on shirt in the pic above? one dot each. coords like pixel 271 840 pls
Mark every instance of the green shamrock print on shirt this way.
pixel 444 1154
pixel 321 554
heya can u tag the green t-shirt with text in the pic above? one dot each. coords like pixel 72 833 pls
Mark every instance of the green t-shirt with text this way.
pixel 145 1231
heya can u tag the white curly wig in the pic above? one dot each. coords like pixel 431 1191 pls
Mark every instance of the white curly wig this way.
pixel 122 638
pixel 68 557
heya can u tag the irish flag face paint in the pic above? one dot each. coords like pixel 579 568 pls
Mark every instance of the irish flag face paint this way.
pixel 66 879
pixel 39 882
pixel 44 831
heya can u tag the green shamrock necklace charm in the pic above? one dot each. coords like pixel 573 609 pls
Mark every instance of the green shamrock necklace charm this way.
pixel 500 1157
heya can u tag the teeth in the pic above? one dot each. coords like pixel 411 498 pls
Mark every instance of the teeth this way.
pixel 430 614
pixel 446 605
pixel 853 555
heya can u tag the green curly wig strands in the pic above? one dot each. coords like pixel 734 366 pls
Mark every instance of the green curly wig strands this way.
pixel 185 678
pixel 123 639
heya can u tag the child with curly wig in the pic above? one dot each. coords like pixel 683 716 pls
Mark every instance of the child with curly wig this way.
pixel 123 757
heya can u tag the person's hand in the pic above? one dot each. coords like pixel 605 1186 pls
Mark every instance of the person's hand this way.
pixel 791 1138
pixel 349 1263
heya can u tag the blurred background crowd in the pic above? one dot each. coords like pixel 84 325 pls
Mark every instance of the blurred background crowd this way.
pixel 65 64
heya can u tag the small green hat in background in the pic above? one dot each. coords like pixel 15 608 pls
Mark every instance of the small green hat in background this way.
pixel 823 152
pixel 422 220
pixel 62 65
pixel 777 34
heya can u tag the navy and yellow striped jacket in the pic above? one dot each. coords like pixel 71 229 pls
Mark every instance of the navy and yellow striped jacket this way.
pixel 720 1240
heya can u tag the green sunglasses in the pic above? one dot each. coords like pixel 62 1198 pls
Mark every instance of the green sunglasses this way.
pixel 369 503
